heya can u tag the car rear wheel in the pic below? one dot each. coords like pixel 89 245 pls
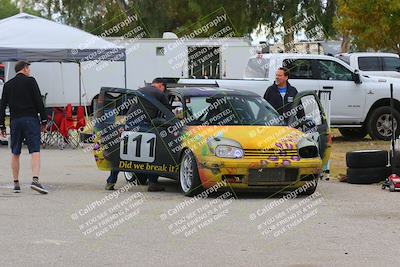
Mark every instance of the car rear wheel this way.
pixel 189 179
pixel 353 133
pixel 380 123
pixel 132 177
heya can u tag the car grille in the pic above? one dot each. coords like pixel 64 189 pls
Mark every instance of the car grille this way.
pixel 271 153
pixel 265 176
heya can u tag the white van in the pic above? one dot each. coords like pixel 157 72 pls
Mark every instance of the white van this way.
pixel 376 64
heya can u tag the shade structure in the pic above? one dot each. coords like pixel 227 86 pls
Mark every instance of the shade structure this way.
pixel 35 39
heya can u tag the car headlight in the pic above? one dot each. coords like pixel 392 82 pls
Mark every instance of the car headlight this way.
pixel 307 148
pixel 223 151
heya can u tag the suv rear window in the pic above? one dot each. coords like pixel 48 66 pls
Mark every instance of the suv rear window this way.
pixel 257 68
pixel 389 64
pixel 369 64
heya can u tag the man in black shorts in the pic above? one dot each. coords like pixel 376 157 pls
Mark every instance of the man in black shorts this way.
pixel 23 97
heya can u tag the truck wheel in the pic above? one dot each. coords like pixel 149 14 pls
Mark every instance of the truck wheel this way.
pixel 189 179
pixel 367 159
pixel 132 177
pixel 366 175
pixel 380 123
pixel 353 133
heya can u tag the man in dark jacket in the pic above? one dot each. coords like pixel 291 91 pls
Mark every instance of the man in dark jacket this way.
pixel 158 91
pixel 23 97
pixel 281 94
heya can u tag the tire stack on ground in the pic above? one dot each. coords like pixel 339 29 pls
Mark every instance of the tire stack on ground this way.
pixel 367 166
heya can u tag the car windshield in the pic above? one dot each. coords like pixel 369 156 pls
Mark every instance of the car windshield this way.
pixel 230 110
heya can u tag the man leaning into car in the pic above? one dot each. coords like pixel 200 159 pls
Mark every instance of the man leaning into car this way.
pixel 158 91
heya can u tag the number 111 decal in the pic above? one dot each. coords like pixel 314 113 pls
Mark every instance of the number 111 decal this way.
pixel 136 146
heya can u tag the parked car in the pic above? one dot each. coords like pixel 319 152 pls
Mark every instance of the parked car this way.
pixel 376 64
pixel 359 103
pixel 213 135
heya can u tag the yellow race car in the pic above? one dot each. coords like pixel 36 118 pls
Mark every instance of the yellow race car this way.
pixel 213 136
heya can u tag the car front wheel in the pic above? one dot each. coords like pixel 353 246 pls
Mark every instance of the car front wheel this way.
pixel 189 179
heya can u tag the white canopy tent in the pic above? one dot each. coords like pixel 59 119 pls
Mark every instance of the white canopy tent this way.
pixel 30 38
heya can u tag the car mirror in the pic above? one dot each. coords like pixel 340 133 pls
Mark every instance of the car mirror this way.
pixel 356 77
pixel 1 82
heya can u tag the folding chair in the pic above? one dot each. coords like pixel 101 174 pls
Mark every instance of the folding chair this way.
pixel 52 133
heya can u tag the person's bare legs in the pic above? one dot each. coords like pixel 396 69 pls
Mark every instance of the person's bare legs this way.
pixel 15 166
pixel 15 172
pixel 35 161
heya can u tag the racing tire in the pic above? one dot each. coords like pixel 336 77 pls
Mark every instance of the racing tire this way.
pixel 377 128
pixel 366 175
pixel 367 159
pixel 353 133
pixel 189 179
pixel 132 177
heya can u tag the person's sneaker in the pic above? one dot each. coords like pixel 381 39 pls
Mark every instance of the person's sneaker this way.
pixel 153 187
pixel 35 185
pixel 110 186
pixel 17 188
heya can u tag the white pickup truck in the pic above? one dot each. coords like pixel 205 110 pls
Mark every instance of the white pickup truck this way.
pixel 375 64
pixel 360 104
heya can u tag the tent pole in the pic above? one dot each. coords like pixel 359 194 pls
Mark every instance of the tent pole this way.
pixel 125 73
pixel 80 86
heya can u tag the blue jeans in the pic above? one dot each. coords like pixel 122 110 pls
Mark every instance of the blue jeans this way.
pixel 112 179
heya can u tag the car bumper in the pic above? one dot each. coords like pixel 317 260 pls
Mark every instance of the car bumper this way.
pixel 257 173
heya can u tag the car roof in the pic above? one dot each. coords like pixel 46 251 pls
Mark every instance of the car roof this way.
pixel 291 55
pixel 210 91
pixel 369 54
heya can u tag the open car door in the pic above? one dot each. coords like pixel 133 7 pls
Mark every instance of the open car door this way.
pixel 128 139
pixel 310 119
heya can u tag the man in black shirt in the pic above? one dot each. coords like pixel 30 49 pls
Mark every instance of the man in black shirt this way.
pixel 281 94
pixel 23 97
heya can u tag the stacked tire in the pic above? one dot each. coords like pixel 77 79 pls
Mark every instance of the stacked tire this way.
pixel 366 166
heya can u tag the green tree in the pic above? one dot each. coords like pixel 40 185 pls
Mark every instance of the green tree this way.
pixel 370 24
pixel 7 9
